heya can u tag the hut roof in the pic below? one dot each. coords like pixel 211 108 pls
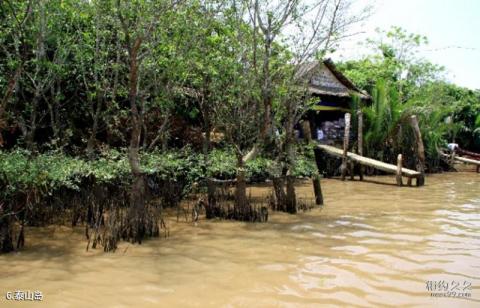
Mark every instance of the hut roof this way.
pixel 325 79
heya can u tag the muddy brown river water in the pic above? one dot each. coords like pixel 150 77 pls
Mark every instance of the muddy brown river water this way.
pixel 371 245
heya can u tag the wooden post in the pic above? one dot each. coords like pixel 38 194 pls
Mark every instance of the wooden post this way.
pixel 360 141
pixel 351 170
pixel 399 170
pixel 307 131
pixel 420 150
pixel 452 159
pixel 346 138
pixel 409 181
pixel 317 189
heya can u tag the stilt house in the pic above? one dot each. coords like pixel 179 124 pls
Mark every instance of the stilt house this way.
pixel 334 92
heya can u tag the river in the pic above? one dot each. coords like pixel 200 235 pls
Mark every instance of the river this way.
pixel 372 244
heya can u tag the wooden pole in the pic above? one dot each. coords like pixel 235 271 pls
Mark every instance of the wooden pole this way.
pixel 346 138
pixel 317 189
pixel 307 131
pixel 360 141
pixel 351 170
pixel 399 170
pixel 452 159
pixel 420 150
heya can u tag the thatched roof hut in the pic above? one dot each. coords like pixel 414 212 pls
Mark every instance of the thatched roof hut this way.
pixel 334 92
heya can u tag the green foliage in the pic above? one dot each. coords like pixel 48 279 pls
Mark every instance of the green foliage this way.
pixel 394 60
pixel 305 166
pixel 382 118
pixel 51 171
pixel 258 169
pixel 387 129
pixel 402 84
pixel 21 171
pixel 222 164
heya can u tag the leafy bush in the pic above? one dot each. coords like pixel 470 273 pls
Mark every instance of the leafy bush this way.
pixel 305 166
pixel 222 164
pixel 21 171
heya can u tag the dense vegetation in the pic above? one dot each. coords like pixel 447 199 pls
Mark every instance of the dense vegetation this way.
pixel 125 98
pixel 402 84
pixel 112 110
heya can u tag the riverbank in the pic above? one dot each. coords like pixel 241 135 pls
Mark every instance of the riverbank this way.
pixel 371 245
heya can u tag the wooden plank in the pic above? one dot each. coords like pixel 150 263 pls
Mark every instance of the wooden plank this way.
pixel 467 160
pixel 368 161
pixel 463 159
pixel 467 153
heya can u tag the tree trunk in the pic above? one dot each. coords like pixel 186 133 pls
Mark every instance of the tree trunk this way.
pixel 211 194
pixel 420 150
pixel 241 202
pixel 12 84
pixel 137 193
pixel 6 237
pixel 280 196
pixel 206 160
pixel 137 223
pixel 317 189
pixel 291 196
pixel 291 201
pixel 100 95
pixel 161 136
pixel 266 88
pixel 52 107
pixel 39 87
pixel 32 125
pixel 93 136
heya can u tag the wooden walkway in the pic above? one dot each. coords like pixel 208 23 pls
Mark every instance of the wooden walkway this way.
pixel 464 160
pixel 368 161
pixel 467 160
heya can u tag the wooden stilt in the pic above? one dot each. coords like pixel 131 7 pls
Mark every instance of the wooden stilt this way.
pixel 346 138
pixel 360 141
pixel 307 131
pixel 317 189
pixel 420 150
pixel 452 159
pixel 351 170
pixel 399 170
